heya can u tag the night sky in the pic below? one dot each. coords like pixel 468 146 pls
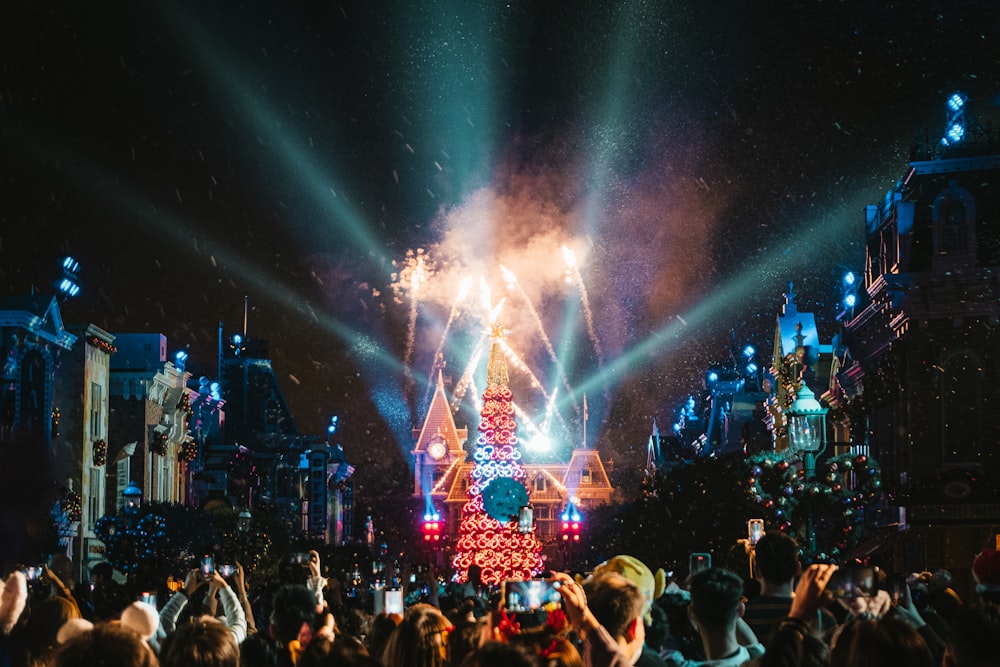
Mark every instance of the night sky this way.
pixel 693 157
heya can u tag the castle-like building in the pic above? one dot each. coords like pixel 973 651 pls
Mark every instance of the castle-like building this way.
pixel 441 469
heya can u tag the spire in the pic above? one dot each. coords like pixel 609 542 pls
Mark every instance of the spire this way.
pixel 496 371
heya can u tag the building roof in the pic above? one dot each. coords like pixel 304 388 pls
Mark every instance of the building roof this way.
pixel 38 314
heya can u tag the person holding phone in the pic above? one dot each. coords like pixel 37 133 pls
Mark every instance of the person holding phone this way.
pixel 235 618
pixel 777 565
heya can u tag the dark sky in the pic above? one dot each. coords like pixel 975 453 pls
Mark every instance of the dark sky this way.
pixel 695 157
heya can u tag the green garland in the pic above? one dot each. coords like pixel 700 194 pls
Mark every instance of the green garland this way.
pixel 777 483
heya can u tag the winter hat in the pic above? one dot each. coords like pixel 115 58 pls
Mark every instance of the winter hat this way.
pixel 636 571
pixel 986 571
pixel 13 597
pixel 73 628
pixel 142 618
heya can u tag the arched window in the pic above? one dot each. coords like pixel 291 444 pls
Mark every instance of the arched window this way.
pixel 954 219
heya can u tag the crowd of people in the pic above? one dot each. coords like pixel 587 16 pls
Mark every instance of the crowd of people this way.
pixel 765 609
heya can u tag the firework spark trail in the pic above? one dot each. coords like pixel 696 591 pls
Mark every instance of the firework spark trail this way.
pixel 463 382
pixel 516 361
pixel 463 290
pixel 512 282
pixel 585 299
pixel 412 276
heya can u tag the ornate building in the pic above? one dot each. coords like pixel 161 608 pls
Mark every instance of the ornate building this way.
pixel 441 467
pixel 924 345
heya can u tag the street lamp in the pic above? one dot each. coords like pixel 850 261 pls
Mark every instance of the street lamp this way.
pixel 132 497
pixel 243 521
pixel 807 437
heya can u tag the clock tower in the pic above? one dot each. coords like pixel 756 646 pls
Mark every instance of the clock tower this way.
pixel 438 449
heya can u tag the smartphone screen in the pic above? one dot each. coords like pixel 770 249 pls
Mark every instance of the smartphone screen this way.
pixel 207 566
pixel 852 582
pixel 755 530
pixel 393 601
pixel 226 570
pixel 530 595
pixel 699 562
pixel 148 598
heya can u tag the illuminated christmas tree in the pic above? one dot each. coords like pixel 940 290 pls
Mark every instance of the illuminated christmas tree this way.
pixel 489 535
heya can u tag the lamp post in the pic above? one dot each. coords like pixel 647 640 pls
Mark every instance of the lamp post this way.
pixel 807 437
pixel 132 497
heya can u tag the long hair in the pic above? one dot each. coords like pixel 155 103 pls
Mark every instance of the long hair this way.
pixel 420 640
pixel 887 642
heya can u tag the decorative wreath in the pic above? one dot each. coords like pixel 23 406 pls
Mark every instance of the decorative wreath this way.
pixel 100 453
pixel 842 488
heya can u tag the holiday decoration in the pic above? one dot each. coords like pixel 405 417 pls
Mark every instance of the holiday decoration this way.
pixel 843 487
pixel 184 405
pixel 101 345
pixel 70 503
pixel 100 453
pixel 188 451
pixel 488 535
pixel 158 444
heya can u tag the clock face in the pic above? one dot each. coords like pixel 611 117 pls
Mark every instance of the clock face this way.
pixel 437 450
pixel 504 498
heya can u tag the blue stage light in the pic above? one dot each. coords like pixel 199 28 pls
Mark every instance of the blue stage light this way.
pixel 849 278
pixel 748 351
pixel 956 101
pixel 850 300
pixel 237 339
pixel 956 133
pixel 751 368
pixel 713 376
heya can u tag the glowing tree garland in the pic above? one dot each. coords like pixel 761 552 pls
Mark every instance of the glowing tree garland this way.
pixel 497 547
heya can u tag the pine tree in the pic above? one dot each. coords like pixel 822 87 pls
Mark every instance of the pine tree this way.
pixel 497 547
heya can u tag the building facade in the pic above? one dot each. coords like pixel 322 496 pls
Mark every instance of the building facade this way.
pixel 441 469
pixel 924 352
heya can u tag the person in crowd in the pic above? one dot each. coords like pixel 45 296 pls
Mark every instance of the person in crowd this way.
pixel 382 627
pixel 652 586
pixel 618 604
pixel 107 597
pixel 36 637
pixel 107 644
pixel 420 640
pixel 986 574
pixel 201 642
pixel 974 639
pixel 235 618
pixel 941 596
pixel 342 651
pixel 715 611
pixel 888 641
pixel 795 641
pixel 776 566
pixel 600 648
pixel 504 654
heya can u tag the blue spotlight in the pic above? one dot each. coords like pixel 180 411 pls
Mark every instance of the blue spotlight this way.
pixel 68 283
pixel 713 376
pixel 850 300
pixel 751 368
pixel 748 351
pixel 180 358
pixel 956 101
pixel 334 422
pixel 956 133
pixel 849 278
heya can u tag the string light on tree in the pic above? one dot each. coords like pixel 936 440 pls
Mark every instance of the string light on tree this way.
pixel 488 535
